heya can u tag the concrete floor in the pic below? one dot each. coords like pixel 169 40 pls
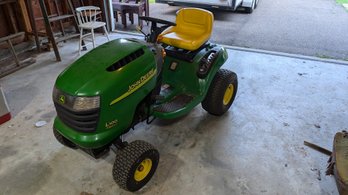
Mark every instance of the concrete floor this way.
pixel 255 148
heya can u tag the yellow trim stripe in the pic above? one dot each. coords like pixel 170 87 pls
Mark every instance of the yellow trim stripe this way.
pixel 154 71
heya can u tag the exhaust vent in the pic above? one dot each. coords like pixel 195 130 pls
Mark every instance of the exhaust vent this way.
pixel 126 60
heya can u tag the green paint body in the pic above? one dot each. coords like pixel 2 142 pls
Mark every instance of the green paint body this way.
pixel 88 77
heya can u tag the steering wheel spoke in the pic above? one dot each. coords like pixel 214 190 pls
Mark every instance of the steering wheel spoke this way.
pixel 155 30
pixel 156 20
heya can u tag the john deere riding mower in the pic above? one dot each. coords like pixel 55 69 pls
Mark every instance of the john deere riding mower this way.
pixel 106 92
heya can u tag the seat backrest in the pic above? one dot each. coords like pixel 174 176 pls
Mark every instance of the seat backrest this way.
pixel 194 20
pixel 87 14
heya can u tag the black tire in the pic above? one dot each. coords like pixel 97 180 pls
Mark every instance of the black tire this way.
pixel 61 139
pixel 129 160
pixel 215 102
pixel 250 10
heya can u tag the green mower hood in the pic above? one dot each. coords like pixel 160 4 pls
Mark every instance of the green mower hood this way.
pixel 112 63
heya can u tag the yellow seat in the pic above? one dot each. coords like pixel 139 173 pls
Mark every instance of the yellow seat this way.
pixel 193 28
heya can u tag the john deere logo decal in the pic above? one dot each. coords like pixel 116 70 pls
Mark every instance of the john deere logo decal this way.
pixel 62 99
pixel 136 85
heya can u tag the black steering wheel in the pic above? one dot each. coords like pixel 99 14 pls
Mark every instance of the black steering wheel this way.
pixel 155 30
pixel 156 20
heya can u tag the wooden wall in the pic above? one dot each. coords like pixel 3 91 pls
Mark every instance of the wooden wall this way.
pixel 14 15
pixel 11 20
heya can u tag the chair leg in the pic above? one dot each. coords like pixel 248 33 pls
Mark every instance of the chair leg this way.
pixel 116 16
pixel 123 17
pixel 131 17
pixel 106 33
pixel 80 41
pixel 140 22
pixel 92 31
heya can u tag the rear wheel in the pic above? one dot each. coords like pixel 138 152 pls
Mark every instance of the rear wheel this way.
pixel 61 139
pixel 221 93
pixel 135 164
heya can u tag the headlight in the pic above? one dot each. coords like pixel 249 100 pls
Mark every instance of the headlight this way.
pixel 86 103
pixel 75 103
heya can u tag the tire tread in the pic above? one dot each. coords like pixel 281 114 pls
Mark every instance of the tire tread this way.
pixel 212 103
pixel 125 159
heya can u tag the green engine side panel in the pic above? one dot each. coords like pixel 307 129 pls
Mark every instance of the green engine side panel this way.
pixel 120 91
pixel 184 80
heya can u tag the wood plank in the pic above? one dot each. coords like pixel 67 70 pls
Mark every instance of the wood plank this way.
pixel 25 16
pixel 12 18
pixel 7 1
pixel 55 17
pixel 49 29
pixel 11 36
pixel 62 17
pixel 49 16
pixel 13 51
pixel 13 67
pixel 33 24
pixel 16 40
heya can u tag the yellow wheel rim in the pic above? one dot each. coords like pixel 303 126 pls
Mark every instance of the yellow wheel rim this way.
pixel 143 169
pixel 228 94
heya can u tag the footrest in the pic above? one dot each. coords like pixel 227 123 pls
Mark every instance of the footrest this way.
pixel 178 102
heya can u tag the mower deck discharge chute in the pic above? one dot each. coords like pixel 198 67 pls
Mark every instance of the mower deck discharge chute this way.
pixel 106 92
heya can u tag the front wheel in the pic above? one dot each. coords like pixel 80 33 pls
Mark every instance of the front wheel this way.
pixel 135 164
pixel 221 93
